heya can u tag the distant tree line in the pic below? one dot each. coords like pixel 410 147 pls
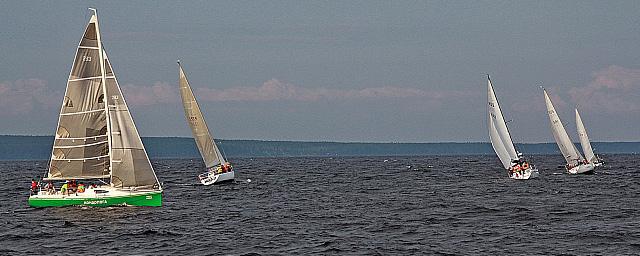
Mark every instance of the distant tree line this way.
pixel 39 147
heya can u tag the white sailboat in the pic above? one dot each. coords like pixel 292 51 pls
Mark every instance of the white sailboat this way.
pixel 584 142
pixel 96 139
pixel 502 143
pixel 218 170
pixel 575 162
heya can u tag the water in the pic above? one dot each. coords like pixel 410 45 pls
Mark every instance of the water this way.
pixel 344 206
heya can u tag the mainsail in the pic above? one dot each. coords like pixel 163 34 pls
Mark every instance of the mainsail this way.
pixel 207 147
pixel 96 136
pixel 584 140
pixel 498 132
pixel 567 147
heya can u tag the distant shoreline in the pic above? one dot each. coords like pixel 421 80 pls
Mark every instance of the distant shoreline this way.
pixel 38 147
pixel 329 141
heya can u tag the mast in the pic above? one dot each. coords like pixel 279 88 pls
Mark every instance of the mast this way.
pixel 584 140
pixel 502 115
pixel 96 137
pixel 568 149
pixel 207 147
pixel 104 91
pixel 131 164
pixel 498 130
pixel 66 90
pixel 80 148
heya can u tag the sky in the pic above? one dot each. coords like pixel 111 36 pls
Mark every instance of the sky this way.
pixel 367 71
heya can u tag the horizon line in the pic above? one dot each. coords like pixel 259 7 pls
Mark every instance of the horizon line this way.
pixel 346 142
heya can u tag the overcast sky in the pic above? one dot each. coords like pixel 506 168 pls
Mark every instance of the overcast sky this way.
pixel 402 71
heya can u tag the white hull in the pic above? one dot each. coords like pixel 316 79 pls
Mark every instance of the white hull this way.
pixel 527 174
pixel 211 178
pixel 92 193
pixel 582 169
pixel 598 164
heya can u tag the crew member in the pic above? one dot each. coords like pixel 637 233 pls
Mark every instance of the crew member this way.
pixel 34 186
pixel 81 188
pixel 50 189
pixel 65 188
pixel 516 168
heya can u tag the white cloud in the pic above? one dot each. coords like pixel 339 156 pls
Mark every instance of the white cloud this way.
pixel 26 95
pixel 277 90
pixel 22 96
pixel 157 93
pixel 613 89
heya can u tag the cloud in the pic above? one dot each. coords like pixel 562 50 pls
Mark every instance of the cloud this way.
pixel 158 93
pixel 613 89
pixel 274 90
pixel 26 95
pixel 534 103
pixel 22 96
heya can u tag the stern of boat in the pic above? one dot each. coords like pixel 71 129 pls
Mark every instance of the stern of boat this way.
pixel 210 178
pixel 582 169
pixel 527 174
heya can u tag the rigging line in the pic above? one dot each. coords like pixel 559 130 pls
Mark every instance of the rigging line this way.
pixel 84 78
pixel 520 142
pixel 82 138
pixel 505 123
pixel 77 178
pixel 222 151
pixel 80 146
pixel 81 112
pixel 79 159
pixel 46 171
pixel 488 113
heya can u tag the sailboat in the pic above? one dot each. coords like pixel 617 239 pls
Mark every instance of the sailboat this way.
pixel 584 142
pixel 218 169
pixel 96 139
pixel 576 164
pixel 512 160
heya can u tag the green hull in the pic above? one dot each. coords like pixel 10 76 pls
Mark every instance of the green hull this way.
pixel 138 199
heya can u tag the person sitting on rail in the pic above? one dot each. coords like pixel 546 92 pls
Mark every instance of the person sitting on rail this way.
pixel 34 186
pixel 515 169
pixel 72 186
pixel 49 188
pixel 80 188
pixel 65 188
pixel 569 166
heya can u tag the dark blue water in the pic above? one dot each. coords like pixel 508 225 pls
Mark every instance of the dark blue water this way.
pixel 344 206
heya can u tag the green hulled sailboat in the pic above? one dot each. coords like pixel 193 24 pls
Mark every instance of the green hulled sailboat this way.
pixel 96 139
